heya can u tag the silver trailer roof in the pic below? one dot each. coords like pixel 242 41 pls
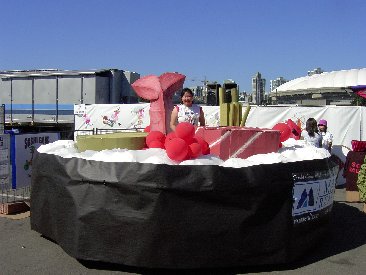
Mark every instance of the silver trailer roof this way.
pixel 50 72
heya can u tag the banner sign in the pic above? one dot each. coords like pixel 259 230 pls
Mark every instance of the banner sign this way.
pixel 344 122
pixel 313 194
pixel 25 147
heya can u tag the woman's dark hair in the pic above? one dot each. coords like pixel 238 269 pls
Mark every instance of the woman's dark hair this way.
pixel 311 126
pixel 186 90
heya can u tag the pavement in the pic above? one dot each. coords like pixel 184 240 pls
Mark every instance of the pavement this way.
pixel 23 251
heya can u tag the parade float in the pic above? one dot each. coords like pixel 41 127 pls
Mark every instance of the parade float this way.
pixel 238 200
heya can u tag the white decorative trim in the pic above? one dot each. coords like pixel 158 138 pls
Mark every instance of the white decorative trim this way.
pixel 221 139
pixel 249 142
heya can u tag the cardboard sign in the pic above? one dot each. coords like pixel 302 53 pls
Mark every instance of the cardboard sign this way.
pixel 313 195
pixel 25 148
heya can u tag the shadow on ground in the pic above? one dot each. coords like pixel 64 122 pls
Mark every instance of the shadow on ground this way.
pixel 347 232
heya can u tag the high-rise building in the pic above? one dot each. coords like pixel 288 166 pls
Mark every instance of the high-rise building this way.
pixel 277 82
pixel 315 71
pixel 258 88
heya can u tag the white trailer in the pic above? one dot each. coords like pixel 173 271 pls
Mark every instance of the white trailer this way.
pixel 47 97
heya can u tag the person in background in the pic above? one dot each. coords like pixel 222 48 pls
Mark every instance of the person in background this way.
pixel 327 138
pixel 187 111
pixel 311 134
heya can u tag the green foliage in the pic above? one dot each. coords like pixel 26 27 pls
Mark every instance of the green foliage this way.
pixel 358 100
pixel 361 182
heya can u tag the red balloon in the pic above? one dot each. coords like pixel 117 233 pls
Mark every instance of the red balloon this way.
pixel 284 129
pixel 195 150
pixel 147 129
pixel 170 136
pixel 155 135
pixel 177 149
pixel 185 130
pixel 204 145
pixel 156 144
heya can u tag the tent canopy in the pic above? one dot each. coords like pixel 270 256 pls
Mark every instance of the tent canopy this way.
pixel 335 79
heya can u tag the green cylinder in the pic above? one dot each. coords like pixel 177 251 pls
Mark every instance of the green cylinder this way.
pixel 234 95
pixel 221 96
pixel 224 114
pixel 245 116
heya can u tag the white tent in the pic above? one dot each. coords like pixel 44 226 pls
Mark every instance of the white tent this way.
pixel 337 79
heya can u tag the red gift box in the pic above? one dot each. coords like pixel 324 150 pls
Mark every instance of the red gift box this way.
pixel 358 145
pixel 239 142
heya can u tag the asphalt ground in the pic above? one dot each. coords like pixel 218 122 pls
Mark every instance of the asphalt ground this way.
pixel 23 251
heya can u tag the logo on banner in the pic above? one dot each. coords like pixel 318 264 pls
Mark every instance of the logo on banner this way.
pixel 312 198
pixel 307 199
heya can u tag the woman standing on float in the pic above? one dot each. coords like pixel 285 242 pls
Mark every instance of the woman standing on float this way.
pixel 311 133
pixel 327 137
pixel 187 111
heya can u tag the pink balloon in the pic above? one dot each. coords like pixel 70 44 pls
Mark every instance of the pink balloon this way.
pixel 195 150
pixel 284 129
pixel 177 149
pixel 170 136
pixel 204 145
pixel 185 130
pixel 155 135
pixel 147 129
pixel 156 144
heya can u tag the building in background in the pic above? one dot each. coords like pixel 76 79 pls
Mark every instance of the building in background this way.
pixel 319 89
pixel 45 98
pixel 315 71
pixel 258 88
pixel 243 96
pixel 128 95
pixel 277 82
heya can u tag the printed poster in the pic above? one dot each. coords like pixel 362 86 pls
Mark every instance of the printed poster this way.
pixel 313 195
pixel 25 148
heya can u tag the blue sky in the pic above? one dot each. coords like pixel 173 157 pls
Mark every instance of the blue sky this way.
pixel 203 39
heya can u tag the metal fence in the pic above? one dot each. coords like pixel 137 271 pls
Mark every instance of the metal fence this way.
pixel 99 131
pixel 9 195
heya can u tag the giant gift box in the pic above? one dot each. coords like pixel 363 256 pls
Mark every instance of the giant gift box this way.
pixel 239 142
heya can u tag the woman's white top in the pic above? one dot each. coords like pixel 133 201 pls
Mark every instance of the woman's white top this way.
pixel 315 140
pixel 327 139
pixel 189 114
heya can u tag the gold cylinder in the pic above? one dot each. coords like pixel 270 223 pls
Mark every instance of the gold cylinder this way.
pixel 221 96
pixel 234 95
pixel 224 114
pixel 245 116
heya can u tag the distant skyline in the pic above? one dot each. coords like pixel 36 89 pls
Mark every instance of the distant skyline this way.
pixel 203 39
